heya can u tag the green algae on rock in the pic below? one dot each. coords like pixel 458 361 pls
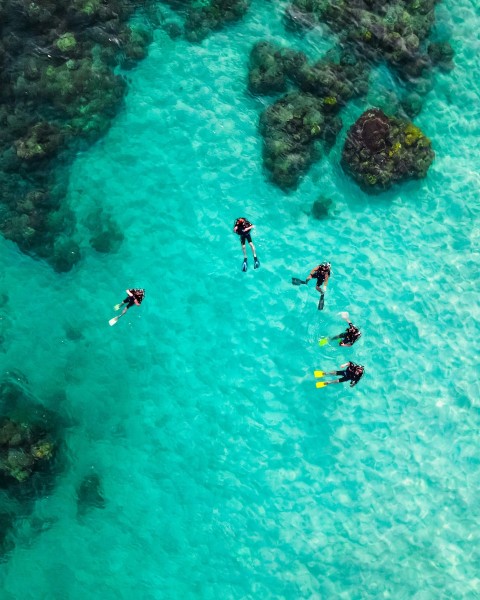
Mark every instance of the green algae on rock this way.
pixel 380 150
pixel 42 141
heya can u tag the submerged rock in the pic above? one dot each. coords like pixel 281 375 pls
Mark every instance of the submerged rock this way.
pixel 321 207
pixel 266 73
pixel 106 234
pixel 90 494
pixel 380 150
pixel 23 448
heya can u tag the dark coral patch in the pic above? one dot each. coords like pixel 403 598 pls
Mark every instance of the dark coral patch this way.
pixel 390 30
pixel 290 127
pixel 58 93
pixel 200 21
pixel 30 454
pixel 380 150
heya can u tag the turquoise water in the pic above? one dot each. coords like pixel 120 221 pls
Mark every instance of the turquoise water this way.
pixel 226 473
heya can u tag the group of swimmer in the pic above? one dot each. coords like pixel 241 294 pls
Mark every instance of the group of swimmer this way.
pixel 242 227
pixel 349 371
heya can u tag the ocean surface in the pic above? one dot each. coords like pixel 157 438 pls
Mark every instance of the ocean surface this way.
pixel 226 474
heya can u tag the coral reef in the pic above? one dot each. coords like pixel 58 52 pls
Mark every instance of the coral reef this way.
pixel 201 20
pixel 380 150
pixel 42 141
pixel 290 127
pixel 22 448
pixel 266 73
pixel 334 83
pixel 27 439
pixel 369 33
pixel 58 92
pixel 29 452
pixel 293 123
pixel 390 30
pixel 201 17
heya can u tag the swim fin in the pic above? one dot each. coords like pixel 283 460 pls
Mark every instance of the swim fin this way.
pixel 323 341
pixel 319 373
pixel 256 262
pixel 117 306
pixel 321 384
pixel 113 321
pixel 321 302
pixel 297 281
pixel 245 265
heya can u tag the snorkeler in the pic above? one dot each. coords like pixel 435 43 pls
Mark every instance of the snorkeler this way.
pixel 348 337
pixel 242 227
pixel 134 296
pixel 352 373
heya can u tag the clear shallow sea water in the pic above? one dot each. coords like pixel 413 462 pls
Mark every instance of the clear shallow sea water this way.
pixel 226 473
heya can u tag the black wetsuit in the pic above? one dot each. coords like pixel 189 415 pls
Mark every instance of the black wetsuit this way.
pixel 239 229
pixel 351 335
pixel 320 274
pixel 137 295
pixel 352 373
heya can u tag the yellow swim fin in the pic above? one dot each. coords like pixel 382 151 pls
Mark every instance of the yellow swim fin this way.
pixel 320 384
pixel 323 341
pixel 319 373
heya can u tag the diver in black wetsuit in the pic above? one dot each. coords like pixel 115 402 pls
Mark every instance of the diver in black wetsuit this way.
pixel 242 227
pixel 350 335
pixel 352 373
pixel 321 274
pixel 134 297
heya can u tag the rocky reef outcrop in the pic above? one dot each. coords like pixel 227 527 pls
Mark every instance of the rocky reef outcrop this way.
pixel 380 150
pixel 290 127
pixel 298 127
pixel 90 494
